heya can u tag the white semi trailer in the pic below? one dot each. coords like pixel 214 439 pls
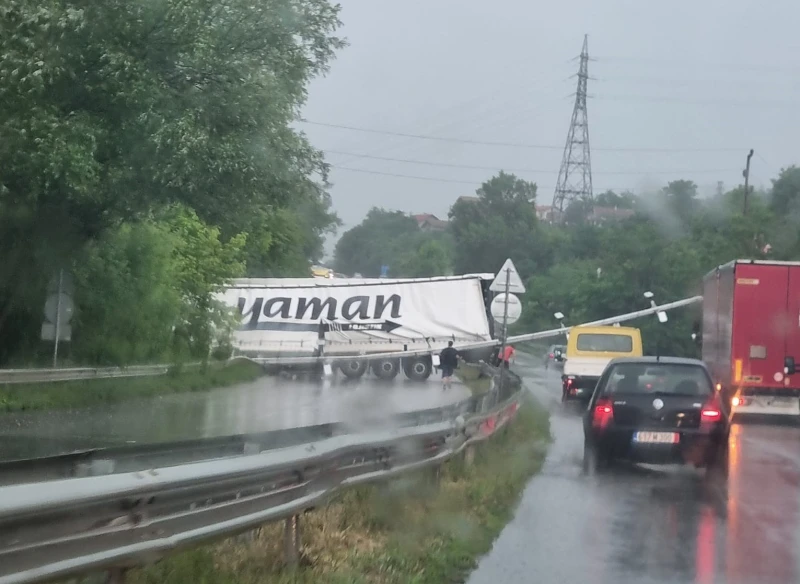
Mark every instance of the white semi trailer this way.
pixel 302 317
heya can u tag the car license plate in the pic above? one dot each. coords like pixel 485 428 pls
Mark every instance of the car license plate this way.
pixel 656 437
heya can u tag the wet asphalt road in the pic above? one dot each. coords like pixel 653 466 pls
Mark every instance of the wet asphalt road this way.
pixel 270 403
pixel 642 526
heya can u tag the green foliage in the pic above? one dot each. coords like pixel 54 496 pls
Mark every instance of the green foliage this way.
pixel 382 238
pixel 626 200
pixel 786 192
pixel 145 292
pixel 428 256
pixel 114 111
pixel 472 376
pixel 666 248
pixel 127 302
pixel 203 265
pixel 500 224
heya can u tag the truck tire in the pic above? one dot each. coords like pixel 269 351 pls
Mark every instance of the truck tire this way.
pixel 354 368
pixel 418 368
pixel 386 368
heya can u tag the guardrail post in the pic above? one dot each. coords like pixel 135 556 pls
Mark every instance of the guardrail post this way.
pixel 435 475
pixel 469 455
pixel 291 540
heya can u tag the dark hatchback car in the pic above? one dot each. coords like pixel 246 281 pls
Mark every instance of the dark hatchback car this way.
pixel 655 411
pixel 555 354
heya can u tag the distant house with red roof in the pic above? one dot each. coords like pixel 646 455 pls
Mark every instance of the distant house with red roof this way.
pixel 429 222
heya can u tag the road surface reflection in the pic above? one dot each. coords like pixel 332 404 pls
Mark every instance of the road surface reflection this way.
pixel 270 403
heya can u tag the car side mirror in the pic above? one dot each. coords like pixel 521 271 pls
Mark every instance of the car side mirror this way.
pixel 789 366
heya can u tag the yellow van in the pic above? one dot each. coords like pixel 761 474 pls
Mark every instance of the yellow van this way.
pixel 589 350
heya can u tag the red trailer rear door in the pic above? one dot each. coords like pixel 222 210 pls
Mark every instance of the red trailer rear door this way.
pixel 760 324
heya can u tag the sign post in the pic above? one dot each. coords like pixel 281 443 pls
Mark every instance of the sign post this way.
pixel 58 310
pixel 507 281
pixel 58 317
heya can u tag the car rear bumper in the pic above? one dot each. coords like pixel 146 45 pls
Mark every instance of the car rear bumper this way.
pixel 578 394
pixel 693 447
pixel 578 388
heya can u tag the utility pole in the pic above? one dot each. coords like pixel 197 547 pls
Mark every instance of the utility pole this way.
pixel 746 175
pixel 575 176
pixel 505 331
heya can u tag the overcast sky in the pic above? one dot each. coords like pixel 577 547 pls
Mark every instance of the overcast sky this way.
pixel 704 79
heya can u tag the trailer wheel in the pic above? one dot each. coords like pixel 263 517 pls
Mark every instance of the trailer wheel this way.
pixel 353 368
pixel 418 368
pixel 386 368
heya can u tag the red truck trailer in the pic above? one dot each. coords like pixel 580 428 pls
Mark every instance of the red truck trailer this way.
pixel 751 335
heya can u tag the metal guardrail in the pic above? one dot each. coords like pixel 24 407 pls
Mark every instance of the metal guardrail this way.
pixel 13 376
pixel 58 529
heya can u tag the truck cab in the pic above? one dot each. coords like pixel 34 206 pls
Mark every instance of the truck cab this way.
pixel 589 350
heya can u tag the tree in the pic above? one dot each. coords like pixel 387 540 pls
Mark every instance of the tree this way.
pixel 785 198
pixel 203 265
pixel 113 110
pixel 681 198
pixel 146 291
pixel 501 223
pixel 383 238
pixel 431 258
pixel 625 200
pixel 127 303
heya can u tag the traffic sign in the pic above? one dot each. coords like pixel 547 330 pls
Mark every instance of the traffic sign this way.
pixel 498 308
pixel 52 308
pixel 508 272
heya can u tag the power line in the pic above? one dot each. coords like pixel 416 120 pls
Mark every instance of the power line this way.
pixel 444 180
pixel 506 144
pixel 499 168
pixel 686 82
pixel 712 102
pixel 430 178
pixel 695 64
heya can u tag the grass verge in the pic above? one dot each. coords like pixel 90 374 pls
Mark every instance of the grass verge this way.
pixel 73 394
pixel 470 375
pixel 411 531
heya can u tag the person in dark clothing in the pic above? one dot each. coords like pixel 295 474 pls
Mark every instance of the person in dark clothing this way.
pixel 448 361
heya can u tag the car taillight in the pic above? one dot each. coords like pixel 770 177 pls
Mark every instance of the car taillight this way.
pixel 603 413
pixel 711 412
pixel 551 355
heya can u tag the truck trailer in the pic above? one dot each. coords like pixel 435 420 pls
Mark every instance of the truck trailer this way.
pixel 751 335
pixel 309 317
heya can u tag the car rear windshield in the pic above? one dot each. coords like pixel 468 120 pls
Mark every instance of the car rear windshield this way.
pixel 666 378
pixel 605 343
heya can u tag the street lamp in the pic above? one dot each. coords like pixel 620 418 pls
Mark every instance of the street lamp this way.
pixel 559 316
pixel 661 315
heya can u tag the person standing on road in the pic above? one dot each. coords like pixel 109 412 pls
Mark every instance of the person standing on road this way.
pixel 448 361
pixel 508 355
